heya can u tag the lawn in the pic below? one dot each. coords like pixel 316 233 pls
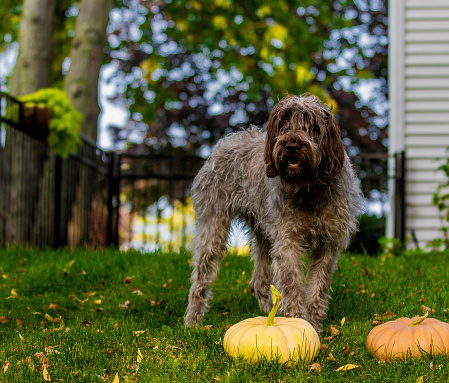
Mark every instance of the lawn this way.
pixel 106 315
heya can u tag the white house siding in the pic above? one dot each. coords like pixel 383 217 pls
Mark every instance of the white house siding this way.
pixel 419 104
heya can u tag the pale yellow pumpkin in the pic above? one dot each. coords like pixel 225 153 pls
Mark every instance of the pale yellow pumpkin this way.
pixel 408 338
pixel 285 339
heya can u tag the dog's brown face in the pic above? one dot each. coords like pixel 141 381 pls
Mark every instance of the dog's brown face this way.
pixel 303 141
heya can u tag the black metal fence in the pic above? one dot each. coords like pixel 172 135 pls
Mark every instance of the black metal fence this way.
pixel 155 206
pixel 130 200
pixel 49 201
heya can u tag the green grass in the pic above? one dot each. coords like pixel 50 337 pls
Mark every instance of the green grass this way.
pixel 85 340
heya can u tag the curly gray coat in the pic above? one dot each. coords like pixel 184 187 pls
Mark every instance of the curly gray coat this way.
pixel 294 187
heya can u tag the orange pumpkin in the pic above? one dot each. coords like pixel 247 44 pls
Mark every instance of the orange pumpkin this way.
pixel 408 338
pixel 286 339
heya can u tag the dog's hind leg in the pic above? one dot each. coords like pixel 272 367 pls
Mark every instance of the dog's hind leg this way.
pixel 210 246
pixel 261 280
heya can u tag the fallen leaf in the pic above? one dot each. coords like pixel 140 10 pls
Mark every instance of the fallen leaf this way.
pixel 328 338
pixel 86 323
pixel 107 375
pixel 4 320
pixel 315 367
pixel 49 318
pixel 420 379
pixel 52 306
pixel 208 327
pixel 46 375
pixel 334 331
pixel 331 358
pixel 124 305
pixel 228 327
pixel 128 280
pixel 116 379
pixel 6 365
pixel 98 302
pixel 343 321
pixel 347 367
pixel 376 322
pixel 152 302
pixel 41 357
pixel 139 356
pixel 137 333
pixel 323 348
pixel 74 297
pixel 388 315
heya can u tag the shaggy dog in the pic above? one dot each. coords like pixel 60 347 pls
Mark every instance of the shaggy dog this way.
pixel 294 187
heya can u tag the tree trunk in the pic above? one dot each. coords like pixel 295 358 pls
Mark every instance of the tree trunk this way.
pixel 25 157
pixel 33 66
pixel 81 85
pixel 87 57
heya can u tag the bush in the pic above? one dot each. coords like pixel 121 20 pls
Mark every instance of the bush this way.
pixel 371 229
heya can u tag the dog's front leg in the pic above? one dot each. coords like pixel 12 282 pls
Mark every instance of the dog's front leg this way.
pixel 288 276
pixel 321 267
pixel 210 245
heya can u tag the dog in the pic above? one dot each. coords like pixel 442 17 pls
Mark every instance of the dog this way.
pixel 294 187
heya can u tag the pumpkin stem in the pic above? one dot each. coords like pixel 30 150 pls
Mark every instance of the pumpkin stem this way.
pixel 418 321
pixel 276 295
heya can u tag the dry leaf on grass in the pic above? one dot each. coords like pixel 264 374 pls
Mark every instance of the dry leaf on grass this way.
pixel 124 305
pixel 4 319
pixel 6 365
pixel 52 306
pixel 115 379
pixel 323 348
pixel 347 367
pixel 46 375
pixel 334 331
pixel 388 315
pixel 331 358
pixel 315 367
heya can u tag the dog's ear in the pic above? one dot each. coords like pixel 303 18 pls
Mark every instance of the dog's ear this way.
pixel 333 152
pixel 274 125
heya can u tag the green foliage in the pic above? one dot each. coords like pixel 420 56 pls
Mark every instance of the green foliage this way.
pixel 366 240
pixel 441 201
pixel 390 247
pixel 65 121
pixel 10 11
pixel 211 65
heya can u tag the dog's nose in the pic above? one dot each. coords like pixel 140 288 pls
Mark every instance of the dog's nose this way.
pixel 292 146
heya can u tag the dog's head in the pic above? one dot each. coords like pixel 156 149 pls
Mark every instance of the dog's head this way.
pixel 303 141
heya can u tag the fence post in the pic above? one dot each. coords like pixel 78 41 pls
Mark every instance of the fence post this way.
pixel 399 203
pixel 57 238
pixel 113 196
